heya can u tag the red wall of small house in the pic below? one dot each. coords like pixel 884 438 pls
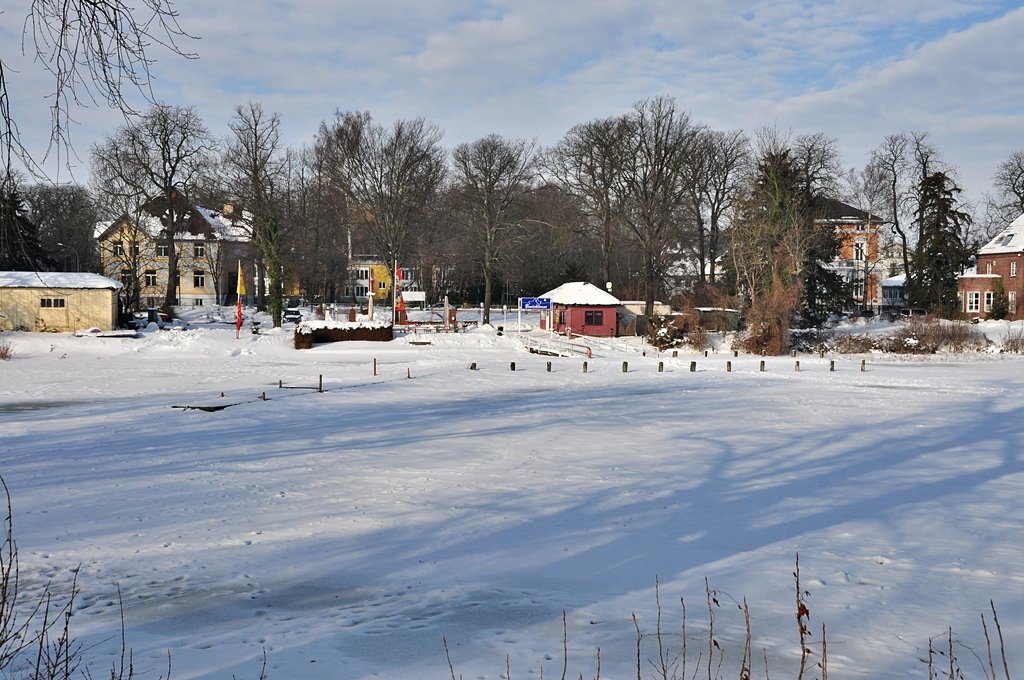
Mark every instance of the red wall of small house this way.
pixel 575 320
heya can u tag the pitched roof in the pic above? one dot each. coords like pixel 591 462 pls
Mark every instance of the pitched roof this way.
pixel 1009 240
pixel 837 211
pixel 76 280
pixel 580 293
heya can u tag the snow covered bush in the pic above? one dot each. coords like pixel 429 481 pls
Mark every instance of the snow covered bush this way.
pixel 6 351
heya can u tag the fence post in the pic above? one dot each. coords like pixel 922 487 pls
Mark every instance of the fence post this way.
pixel 863 365
pixel 625 367
pixel 321 387
pixel 797 366
pixel 831 366
pixel 661 367
pixel 512 366
pixel 693 367
pixel 584 366
pixel 762 365
pixel 549 367
pixel 728 367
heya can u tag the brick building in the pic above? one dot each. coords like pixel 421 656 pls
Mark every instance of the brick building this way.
pixel 998 267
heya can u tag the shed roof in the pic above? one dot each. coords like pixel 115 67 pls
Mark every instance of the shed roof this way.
pixel 75 280
pixel 580 293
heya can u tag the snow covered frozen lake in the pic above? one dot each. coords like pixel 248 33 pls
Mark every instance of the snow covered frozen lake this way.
pixel 347 532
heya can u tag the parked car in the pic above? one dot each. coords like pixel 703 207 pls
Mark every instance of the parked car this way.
pixel 293 314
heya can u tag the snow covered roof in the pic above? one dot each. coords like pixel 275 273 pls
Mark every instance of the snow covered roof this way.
pixel 580 293
pixel 1009 240
pixel 56 280
pixel 898 280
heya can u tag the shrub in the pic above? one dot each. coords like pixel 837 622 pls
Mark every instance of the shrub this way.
pixel 1014 341
pixel 6 351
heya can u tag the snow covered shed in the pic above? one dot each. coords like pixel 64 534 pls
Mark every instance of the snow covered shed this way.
pixel 58 302
pixel 583 309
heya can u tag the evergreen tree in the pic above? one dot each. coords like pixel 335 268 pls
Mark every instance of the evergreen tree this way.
pixel 19 237
pixel 941 253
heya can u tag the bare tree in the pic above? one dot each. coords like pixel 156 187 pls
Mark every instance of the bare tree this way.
pixel 653 194
pixel 255 168
pixel 494 174
pixel 713 175
pixel 588 163
pixel 388 174
pixel 160 156
pixel 93 50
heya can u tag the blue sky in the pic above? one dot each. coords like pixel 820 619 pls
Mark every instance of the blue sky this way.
pixel 855 71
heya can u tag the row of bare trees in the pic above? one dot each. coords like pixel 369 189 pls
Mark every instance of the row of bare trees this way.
pixel 650 201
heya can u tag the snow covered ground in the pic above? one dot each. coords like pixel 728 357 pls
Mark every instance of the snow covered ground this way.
pixel 347 532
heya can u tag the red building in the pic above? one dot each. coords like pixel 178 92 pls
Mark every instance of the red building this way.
pixel 580 308
pixel 999 267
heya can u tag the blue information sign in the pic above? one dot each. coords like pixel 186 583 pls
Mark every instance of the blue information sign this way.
pixel 534 303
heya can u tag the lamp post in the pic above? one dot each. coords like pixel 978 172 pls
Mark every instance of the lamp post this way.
pixel 78 262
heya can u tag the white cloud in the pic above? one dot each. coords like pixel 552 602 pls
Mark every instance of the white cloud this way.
pixel 530 68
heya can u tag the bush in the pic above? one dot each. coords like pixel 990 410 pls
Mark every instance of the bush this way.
pixel 6 351
pixel 1014 341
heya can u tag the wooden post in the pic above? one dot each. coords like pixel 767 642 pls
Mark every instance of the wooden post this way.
pixel 584 366
pixel 625 367
pixel 863 365
pixel 321 388
pixel 472 366
pixel 798 366
pixel 512 366
pixel 793 353
pixel 375 367
pixel 280 384
pixel 408 373
pixel 762 365
pixel 735 353
pixel 728 367
pixel 705 354
pixel 832 366
pixel 693 367
pixel 661 367
pixel 549 367
pixel 675 353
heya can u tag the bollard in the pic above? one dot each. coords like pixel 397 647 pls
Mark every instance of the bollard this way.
pixel 472 366
pixel 584 366
pixel 625 367
pixel 797 367
pixel 863 365
pixel 762 365
pixel 280 384
pixel 375 367
pixel 705 354
pixel 408 373
pixel 320 389
pixel 821 354
pixel 793 354
pixel 512 366
pixel 693 367
pixel 549 367
pixel 728 367
pixel 735 353
pixel 675 354
pixel 661 367
pixel 263 396
pixel 831 366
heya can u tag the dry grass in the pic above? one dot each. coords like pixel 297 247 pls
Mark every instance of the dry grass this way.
pixel 6 351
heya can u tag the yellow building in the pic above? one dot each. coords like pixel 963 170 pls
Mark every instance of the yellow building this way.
pixel 58 302
pixel 208 244
pixel 365 270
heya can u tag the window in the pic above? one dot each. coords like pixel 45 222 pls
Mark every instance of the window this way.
pixel 197 302
pixel 134 249
pixel 118 247
pixel 198 278
pixel 50 303
pixel 988 267
pixel 199 250
pixel 126 277
pixel 1013 268
pixel 382 285
pixel 973 301
pixel 989 296
pixel 362 291
pixel 859 250
pixel 1011 301
pixel 150 277
pixel 162 250
pixel 363 274
pixel 593 318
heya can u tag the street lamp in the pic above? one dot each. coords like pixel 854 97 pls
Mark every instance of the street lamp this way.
pixel 78 263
